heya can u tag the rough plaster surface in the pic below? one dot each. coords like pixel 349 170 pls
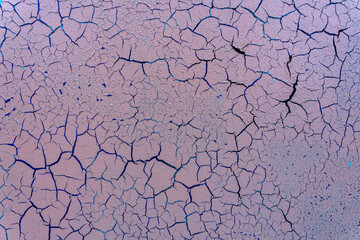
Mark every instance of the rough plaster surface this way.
pixel 157 119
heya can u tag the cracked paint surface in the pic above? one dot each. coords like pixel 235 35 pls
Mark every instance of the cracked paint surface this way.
pixel 174 119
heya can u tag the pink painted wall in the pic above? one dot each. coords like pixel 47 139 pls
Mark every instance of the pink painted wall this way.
pixel 179 120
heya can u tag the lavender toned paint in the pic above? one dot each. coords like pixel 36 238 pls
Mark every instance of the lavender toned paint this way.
pixel 179 119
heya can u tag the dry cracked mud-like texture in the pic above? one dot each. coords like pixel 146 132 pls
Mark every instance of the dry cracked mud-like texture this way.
pixel 223 119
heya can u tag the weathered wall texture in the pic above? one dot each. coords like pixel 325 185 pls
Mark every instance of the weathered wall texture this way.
pixel 223 119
